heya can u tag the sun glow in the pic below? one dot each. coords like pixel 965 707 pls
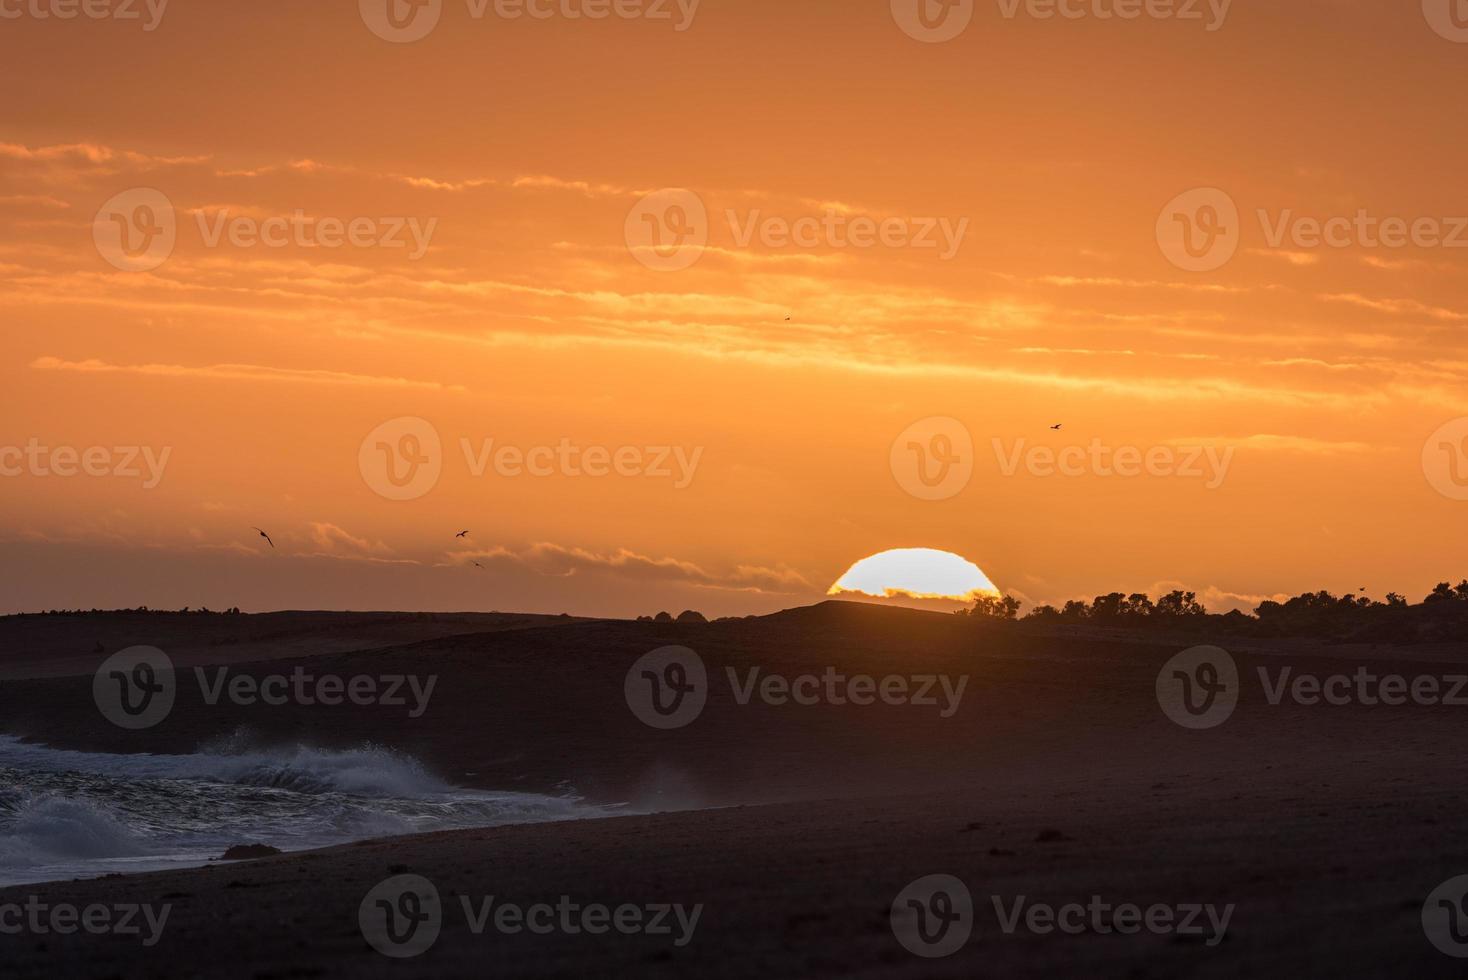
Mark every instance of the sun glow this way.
pixel 916 573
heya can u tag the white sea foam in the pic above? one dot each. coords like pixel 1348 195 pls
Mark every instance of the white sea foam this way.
pixel 72 814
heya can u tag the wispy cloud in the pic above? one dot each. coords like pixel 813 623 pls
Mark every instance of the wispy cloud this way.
pixel 237 372
pixel 557 560
pixel 1276 443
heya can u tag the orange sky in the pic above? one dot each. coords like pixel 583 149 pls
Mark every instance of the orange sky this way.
pixel 524 145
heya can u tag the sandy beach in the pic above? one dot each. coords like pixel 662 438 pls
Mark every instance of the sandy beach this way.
pixel 1057 781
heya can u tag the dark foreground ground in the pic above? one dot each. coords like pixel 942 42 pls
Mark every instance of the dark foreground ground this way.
pixel 1327 882
pixel 1057 779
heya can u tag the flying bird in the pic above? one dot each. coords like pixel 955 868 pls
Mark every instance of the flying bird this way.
pixel 477 565
pixel 1056 427
pixel 266 537
pixel 462 534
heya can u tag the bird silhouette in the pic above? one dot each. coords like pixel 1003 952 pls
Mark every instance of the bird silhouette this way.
pixel 462 534
pixel 1056 427
pixel 477 565
pixel 266 537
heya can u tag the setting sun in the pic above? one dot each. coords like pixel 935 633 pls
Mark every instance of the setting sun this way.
pixel 916 573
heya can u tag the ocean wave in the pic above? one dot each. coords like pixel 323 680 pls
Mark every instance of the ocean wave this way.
pixel 65 813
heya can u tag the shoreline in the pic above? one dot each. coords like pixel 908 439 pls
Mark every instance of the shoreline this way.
pixel 796 828
pixel 805 889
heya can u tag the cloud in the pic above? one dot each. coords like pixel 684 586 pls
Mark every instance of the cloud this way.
pixel 1397 306
pixel 1285 255
pixel 555 560
pixel 1114 282
pixel 238 372
pixel 547 182
pixel 337 543
pixel 1274 443
pixel 429 183
pixel 35 200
